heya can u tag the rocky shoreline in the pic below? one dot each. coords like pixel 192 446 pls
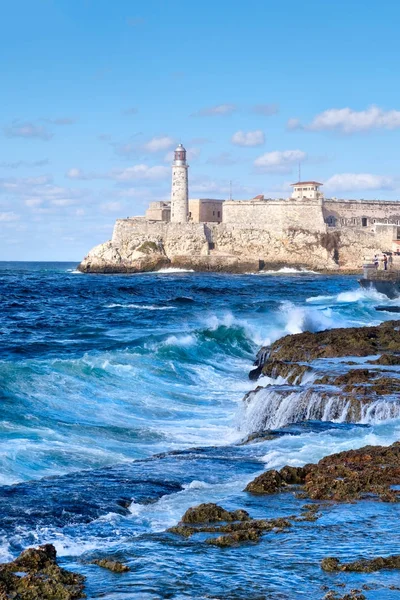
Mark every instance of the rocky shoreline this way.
pixel 367 373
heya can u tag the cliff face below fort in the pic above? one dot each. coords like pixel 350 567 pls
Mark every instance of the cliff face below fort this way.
pixel 138 246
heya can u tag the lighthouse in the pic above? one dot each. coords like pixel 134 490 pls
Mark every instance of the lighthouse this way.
pixel 180 187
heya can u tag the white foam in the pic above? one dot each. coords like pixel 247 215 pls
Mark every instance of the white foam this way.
pixel 272 409
pixel 287 271
pixel 175 270
pixel 180 340
pixel 140 306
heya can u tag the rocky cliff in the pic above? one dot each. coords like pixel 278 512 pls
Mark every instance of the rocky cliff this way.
pixel 138 245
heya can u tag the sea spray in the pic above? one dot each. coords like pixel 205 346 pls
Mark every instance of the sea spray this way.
pixel 273 408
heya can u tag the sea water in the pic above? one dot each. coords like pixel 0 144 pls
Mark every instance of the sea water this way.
pixel 121 406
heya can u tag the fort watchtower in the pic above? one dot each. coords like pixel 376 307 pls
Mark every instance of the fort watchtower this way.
pixel 307 189
pixel 180 187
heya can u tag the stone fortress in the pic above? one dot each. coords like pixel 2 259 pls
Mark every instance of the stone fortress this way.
pixel 305 230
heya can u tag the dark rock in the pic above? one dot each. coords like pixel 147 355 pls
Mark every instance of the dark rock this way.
pixel 233 539
pixel 42 578
pixel 342 477
pixel 393 309
pixel 292 372
pixel 386 359
pixel 112 565
pixel 352 595
pixel 237 529
pixel 351 474
pixel 332 343
pixel 255 373
pixel 274 481
pixel 364 565
pixel 269 482
pixel 211 513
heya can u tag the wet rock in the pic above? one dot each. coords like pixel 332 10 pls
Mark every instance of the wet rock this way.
pixel 386 359
pixel 363 565
pixel 342 477
pixel 269 482
pixel 352 595
pixel 332 343
pixel 112 565
pixel 241 528
pixel 274 481
pixel 211 513
pixel 353 474
pixel 182 530
pixel 363 381
pixel 255 373
pixel 309 512
pixel 351 377
pixel 35 575
pixel 261 436
pixel 292 372
pixel 233 539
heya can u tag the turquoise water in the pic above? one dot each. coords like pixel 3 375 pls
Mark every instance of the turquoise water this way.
pixel 121 406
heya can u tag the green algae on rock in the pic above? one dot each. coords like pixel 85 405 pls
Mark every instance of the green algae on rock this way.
pixel 211 513
pixel 35 575
pixel 333 343
pixel 239 527
pixel 352 595
pixel 342 477
pixel 112 565
pixel 363 565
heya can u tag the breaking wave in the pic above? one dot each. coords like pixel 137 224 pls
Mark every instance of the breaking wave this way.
pixel 272 409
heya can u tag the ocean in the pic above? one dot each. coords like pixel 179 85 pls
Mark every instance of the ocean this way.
pixel 121 406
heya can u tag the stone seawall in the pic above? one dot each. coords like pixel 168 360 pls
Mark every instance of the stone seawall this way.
pixel 139 245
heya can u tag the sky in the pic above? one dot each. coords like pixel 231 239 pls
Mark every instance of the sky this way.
pixel 96 94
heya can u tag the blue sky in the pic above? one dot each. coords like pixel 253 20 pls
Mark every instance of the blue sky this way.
pixel 95 94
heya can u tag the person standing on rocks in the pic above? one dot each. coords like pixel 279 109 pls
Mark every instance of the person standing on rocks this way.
pixel 376 262
pixel 385 262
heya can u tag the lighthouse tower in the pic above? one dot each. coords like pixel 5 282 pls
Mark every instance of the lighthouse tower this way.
pixel 180 188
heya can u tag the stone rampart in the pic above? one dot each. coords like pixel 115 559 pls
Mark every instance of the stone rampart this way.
pixel 360 213
pixel 275 215
pixel 175 238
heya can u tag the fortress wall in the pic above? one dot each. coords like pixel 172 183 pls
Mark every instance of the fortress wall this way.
pixel 276 215
pixel 357 209
pixel 296 247
pixel 175 238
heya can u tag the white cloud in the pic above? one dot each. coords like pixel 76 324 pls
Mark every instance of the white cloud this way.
pixel 294 124
pixel 33 202
pixel 279 162
pixel 112 206
pixel 9 217
pixel 27 130
pixel 76 173
pixel 351 182
pixel 346 120
pixel 218 110
pixel 61 121
pixel 265 109
pixel 160 143
pixel 24 163
pixel 141 172
pixel 248 138
pixel 136 172
pixel 63 202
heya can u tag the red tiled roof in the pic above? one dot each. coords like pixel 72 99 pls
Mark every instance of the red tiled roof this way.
pixel 259 197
